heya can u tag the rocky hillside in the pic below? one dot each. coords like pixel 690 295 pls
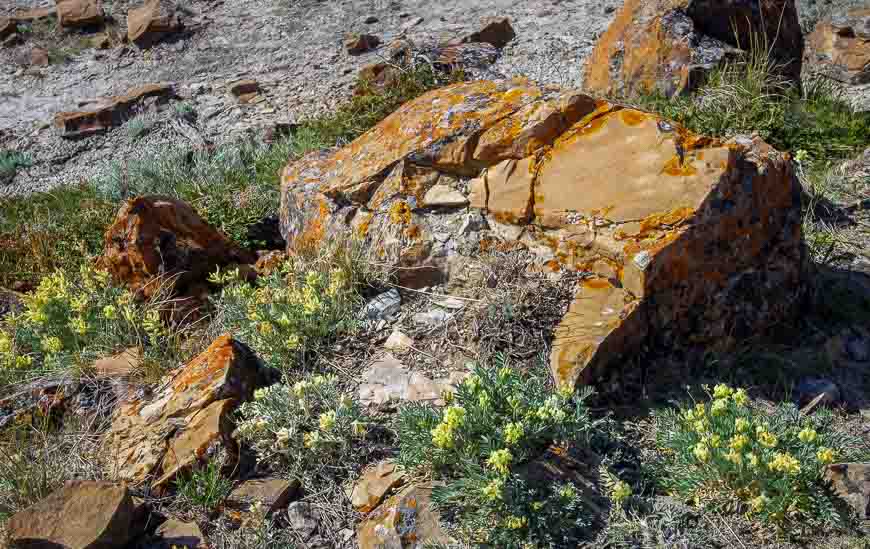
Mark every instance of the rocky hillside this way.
pixel 305 274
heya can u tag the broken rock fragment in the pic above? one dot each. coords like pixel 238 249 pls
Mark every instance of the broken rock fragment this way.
pixel 839 47
pixel 159 435
pixel 151 22
pixel 109 112
pixel 79 13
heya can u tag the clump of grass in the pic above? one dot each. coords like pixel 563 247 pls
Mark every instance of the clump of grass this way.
pixel 204 487
pixel 140 126
pixel 10 162
pixel 42 232
pixel 730 456
pixel 309 430
pixel 69 321
pixel 291 314
pixel 184 111
pixel 749 95
pixel 499 420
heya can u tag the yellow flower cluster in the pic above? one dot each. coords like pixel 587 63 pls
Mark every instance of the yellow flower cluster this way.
pixel 443 435
pixel 551 410
pixel 493 490
pixel 825 455
pixel 500 460
pixel 327 420
pixel 785 463
pixel 513 433
pixel 620 491
pixel 514 522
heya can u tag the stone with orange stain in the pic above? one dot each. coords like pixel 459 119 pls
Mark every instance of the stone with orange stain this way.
pixel 689 238
pixel 109 112
pixel 159 436
pixel 840 47
pixel 668 46
pixel 405 521
pixel 371 488
pixel 155 241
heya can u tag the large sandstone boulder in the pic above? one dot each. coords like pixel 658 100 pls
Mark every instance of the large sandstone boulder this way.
pixel 668 46
pixel 108 112
pixel 839 48
pixel 160 435
pixel 154 236
pixel 684 239
pixel 81 515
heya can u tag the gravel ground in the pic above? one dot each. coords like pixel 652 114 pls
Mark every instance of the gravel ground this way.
pixel 293 48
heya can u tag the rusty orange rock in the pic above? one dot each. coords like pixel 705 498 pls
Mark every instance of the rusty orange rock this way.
pixel 686 239
pixel 157 437
pixel 158 240
pixel 840 47
pixel 668 46
pixel 151 22
pixel 79 13
pixel 108 112
pixel 406 520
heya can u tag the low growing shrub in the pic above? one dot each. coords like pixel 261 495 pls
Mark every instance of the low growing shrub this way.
pixel 727 454
pixel 498 420
pixel 310 429
pixel 71 320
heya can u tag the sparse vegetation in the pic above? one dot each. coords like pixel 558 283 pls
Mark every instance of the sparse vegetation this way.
pixel 204 487
pixel 10 163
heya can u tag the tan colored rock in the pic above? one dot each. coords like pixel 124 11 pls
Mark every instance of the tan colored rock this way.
pixel 371 488
pixel 35 14
pixel 174 534
pixel 668 46
pixel 405 521
pixel 686 240
pixel 851 481
pixel 80 515
pixel 38 57
pixel 151 22
pixel 356 44
pixel 273 493
pixel 122 364
pixel 495 30
pixel 387 381
pixel 155 240
pixel 108 112
pixel 79 13
pixel 444 196
pixel 398 342
pixel 840 47
pixel 244 87
pixel 173 430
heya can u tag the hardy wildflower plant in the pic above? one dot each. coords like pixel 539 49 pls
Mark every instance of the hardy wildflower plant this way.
pixel 726 453
pixel 290 313
pixel 71 320
pixel 309 427
pixel 497 421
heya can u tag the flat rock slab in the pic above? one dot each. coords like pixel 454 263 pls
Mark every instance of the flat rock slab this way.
pixel 174 534
pixel 388 380
pixel 108 112
pixel 272 493
pixel 81 515
pixel 369 490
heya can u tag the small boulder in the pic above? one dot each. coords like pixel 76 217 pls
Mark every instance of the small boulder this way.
pixel 839 47
pixel 497 31
pixel 383 306
pixel 398 342
pixel 174 534
pixel 110 111
pixel 162 434
pixel 80 515
pixel 369 490
pixel 154 237
pixel 405 521
pixel 79 13
pixel 819 391
pixel 272 493
pixel 387 381
pixel 357 44
pixel 851 481
pixel 244 87
pixel 151 22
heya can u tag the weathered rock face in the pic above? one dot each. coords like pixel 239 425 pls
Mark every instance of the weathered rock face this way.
pixel 151 22
pixel 369 490
pixel 174 534
pixel 840 47
pixel 387 381
pixel 155 236
pixel 272 493
pixel 405 521
pixel 108 112
pixel 682 236
pixel 496 31
pixel 79 13
pixel 668 46
pixel 171 431
pixel 851 481
pixel 82 514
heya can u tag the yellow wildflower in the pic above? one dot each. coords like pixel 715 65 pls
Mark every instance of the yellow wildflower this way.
pixel 282 437
pixel 513 432
pixel 5 343
pixel 454 416
pixel 51 345
pixel 738 442
pixel 442 436
pixel 719 407
pixel 492 491
pixel 734 457
pixel 568 492
pixel 740 397
pixel 620 492
pixel 767 439
pixel 259 394
pixel 327 420
pixel 785 463
pixel 752 458
pixel 358 428
pixel 758 503
pixel 825 455
pixel 807 435
pixel 537 505
pixel 500 460
pixel 722 391
pixel 472 382
pixel 292 342
pixel 300 387
pixel 701 452
pixel 310 440
pixel 515 523
pixel 110 312
pixel 741 425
